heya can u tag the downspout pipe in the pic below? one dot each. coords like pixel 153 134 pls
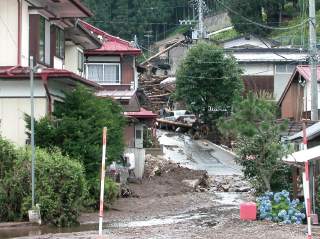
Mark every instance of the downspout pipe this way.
pixel 19 31
pixel 10 69
pixel 44 77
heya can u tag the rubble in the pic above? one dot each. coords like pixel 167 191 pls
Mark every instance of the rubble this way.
pixel 160 166
pixel 158 95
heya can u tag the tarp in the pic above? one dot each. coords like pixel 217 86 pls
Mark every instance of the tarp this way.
pixel 303 155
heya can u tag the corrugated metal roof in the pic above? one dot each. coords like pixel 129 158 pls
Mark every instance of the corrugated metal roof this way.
pixel 270 56
pixel 111 44
pixel 143 113
pixel 117 94
pixel 310 132
pixel 305 72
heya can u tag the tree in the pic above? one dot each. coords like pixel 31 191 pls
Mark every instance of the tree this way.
pixel 248 9
pixel 78 132
pixel 206 78
pixel 267 12
pixel 257 138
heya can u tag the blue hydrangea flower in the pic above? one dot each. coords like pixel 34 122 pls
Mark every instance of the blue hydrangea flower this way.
pixel 263 215
pixel 293 218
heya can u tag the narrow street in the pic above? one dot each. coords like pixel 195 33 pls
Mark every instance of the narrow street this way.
pixel 197 154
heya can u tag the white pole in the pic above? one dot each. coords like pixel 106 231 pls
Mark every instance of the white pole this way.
pixel 103 169
pixel 32 128
pixel 313 61
pixel 200 21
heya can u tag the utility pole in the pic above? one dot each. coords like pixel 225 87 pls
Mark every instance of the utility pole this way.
pixel 201 20
pixel 313 61
pixel 148 36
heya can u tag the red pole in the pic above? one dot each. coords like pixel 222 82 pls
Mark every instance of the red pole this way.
pixel 103 170
pixel 155 134
pixel 306 182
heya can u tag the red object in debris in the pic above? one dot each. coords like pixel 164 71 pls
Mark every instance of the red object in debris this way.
pixel 112 171
pixel 248 211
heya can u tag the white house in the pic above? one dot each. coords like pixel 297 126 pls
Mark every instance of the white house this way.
pixel 51 33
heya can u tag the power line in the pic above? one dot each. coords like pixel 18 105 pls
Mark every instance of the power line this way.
pixel 261 25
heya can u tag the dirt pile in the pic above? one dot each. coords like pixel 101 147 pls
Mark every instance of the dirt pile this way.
pixel 164 177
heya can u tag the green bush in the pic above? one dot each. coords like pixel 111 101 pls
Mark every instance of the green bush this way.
pixel 110 193
pixel 148 139
pixel 60 185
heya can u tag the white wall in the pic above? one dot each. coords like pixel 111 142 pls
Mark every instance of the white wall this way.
pixel 21 88
pixel 308 97
pixel 57 63
pixel 257 68
pixel 71 58
pixel 8 33
pixel 280 83
pixel 11 112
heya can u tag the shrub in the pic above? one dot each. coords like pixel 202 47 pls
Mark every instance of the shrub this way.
pixel 110 193
pixel 279 208
pixel 149 140
pixel 60 185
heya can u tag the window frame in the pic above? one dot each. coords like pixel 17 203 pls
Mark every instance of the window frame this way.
pixel 103 82
pixel 285 67
pixel 42 37
pixel 80 61
pixel 59 42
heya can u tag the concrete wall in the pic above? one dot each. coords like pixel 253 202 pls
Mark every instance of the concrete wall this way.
pixel 155 151
pixel 139 156
pixel 176 54
pixel 138 143
pixel 217 22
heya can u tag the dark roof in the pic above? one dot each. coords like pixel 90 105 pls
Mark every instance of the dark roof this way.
pixel 294 127
pixel 311 132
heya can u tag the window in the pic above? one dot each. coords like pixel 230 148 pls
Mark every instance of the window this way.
pixel 80 61
pixel 138 134
pixel 285 68
pixel 41 39
pixel 44 41
pixel 59 42
pixel 108 73
pixel 57 104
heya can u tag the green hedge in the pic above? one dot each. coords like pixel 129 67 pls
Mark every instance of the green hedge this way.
pixel 60 185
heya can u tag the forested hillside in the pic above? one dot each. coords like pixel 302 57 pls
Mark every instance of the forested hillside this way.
pixel 127 18
pixel 154 20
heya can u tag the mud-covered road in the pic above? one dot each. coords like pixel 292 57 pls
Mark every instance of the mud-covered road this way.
pixel 166 209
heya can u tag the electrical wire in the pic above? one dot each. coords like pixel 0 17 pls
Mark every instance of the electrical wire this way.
pixel 261 25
